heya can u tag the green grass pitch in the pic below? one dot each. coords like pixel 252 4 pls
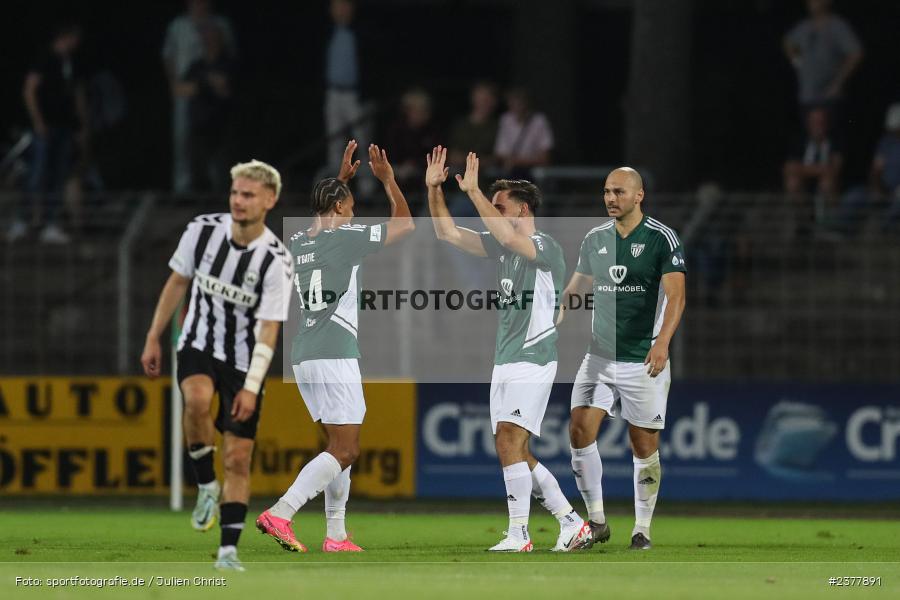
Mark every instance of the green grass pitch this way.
pixel 442 556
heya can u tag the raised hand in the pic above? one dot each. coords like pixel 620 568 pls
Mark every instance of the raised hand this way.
pixel 348 167
pixel 378 162
pixel 436 173
pixel 469 182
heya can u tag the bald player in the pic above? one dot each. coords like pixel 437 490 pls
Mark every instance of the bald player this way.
pixel 635 268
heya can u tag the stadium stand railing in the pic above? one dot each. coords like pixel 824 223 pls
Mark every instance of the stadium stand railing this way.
pixel 769 298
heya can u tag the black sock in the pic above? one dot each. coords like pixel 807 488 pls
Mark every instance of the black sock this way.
pixel 232 519
pixel 203 465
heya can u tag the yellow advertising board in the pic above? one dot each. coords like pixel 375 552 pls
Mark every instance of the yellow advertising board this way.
pixel 104 435
pixel 81 435
pixel 287 438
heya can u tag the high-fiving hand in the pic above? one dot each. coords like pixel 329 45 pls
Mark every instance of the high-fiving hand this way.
pixel 469 182
pixel 348 167
pixel 436 173
pixel 378 162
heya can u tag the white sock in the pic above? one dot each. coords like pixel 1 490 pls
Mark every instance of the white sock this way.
pixel 647 474
pixel 223 550
pixel 588 470
pixel 336 494
pixel 546 490
pixel 313 478
pixel 518 498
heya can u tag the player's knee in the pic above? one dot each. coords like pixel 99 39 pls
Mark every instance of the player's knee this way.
pixel 580 434
pixel 237 461
pixel 345 455
pixel 196 409
pixel 645 444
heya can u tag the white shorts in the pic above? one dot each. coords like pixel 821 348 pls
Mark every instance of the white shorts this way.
pixel 519 394
pixel 332 390
pixel 623 388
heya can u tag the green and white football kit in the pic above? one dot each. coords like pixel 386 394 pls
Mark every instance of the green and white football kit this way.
pixel 628 307
pixel 525 354
pixel 325 350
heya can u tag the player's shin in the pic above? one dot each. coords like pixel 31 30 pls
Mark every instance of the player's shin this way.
pixel 518 498
pixel 588 469
pixel 647 475
pixel 201 457
pixel 546 489
pixel 232 523
pixel 336 495
pixel 313 478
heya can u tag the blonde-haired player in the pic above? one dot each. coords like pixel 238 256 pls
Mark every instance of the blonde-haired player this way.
pixel 240 277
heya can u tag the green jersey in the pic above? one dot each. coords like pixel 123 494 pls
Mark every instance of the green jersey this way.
pixel 327 279
pixel 628 270
pixel 528 300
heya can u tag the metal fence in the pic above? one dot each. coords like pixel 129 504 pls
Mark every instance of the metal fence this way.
pixel 770 295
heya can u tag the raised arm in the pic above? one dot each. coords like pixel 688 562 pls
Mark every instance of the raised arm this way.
pixel 401 223
pixel 579 286
pixel 499 227
pixel 444 226
pixel 673 285
pixel 172 293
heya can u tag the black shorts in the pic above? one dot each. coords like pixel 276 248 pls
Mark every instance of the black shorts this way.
pixel 227 381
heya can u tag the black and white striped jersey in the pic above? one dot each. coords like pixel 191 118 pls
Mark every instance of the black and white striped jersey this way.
pixel 233 288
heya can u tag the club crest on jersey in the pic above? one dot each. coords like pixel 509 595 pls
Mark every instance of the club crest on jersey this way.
pixel 251 277
pixel 618 272
pixel 636 249
pixel 507 286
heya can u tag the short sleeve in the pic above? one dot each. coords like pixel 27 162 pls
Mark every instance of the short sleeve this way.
pixel 544 251
pixel 544 138
pixel 183 261
pixel 846 37
pixel 672 254
pixel 505 136
pixel 492 247
pixel 584 258
pixel 795 35
pixel 168 48
pixel 276 291
pixel 358 241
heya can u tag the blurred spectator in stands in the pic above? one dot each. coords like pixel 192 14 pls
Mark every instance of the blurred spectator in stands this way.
pixel 343 106
pixel 410 138
pixel 884 182
pixel 524 139
pixel 719 246
pixel 208 83
pixel 813 168
pixel 477 131
pixel 182 47
pixel 825 51
pixel 55 97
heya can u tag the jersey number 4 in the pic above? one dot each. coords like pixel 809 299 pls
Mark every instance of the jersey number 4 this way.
pixel 313 300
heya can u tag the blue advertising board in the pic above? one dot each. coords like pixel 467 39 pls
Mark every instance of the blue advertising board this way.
pixel 722 441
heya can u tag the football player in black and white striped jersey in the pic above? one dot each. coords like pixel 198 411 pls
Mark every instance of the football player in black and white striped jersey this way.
pixel 240 275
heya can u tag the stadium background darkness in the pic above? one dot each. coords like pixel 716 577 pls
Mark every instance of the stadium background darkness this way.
pixel 742 88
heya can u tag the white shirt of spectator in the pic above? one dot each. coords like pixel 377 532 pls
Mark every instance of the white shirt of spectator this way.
pixel 183 45
pixel 523 140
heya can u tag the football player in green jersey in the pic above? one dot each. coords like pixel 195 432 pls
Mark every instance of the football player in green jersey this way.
pixel 634 265
pixel 328 258
pixel 530 272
